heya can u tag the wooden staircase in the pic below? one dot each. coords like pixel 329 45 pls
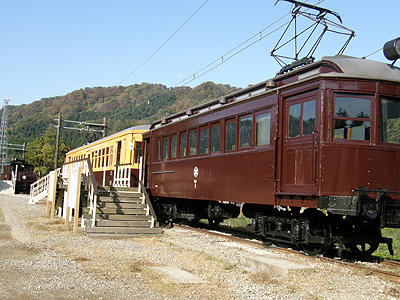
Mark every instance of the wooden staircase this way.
pixel 120 213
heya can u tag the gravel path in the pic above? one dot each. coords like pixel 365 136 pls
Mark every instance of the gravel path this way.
pixel 42 259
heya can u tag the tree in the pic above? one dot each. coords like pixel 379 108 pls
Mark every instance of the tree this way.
pixel 41 152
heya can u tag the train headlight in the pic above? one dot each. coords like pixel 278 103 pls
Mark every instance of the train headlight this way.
pixel 391 49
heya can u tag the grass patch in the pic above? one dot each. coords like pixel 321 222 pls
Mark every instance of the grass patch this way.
pixel 382 251
pixel 237 223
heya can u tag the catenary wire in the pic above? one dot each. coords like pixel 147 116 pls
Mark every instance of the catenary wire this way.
pixel 159 48
pixel 222 59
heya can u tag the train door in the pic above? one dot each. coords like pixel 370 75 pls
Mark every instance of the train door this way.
pixel 146 161
pixel 118 153
pixel 299 144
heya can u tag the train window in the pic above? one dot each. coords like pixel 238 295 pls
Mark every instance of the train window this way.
pixel 230 136
pixel 352 118
pixel 158 150
pixel 138 151
pixel 308 117
pixel 294 120
pixel 174 146
pixel 183 148
pixel 166 148
pixel 390 121
pixel 263 129
pixel 245 132
pixel 302 119
pixel 193 142
pixel 204 140
pixel 216 138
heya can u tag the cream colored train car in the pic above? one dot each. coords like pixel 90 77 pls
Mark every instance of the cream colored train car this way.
pixel 121 149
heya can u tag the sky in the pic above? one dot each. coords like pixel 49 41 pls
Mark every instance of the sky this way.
pixel 53 47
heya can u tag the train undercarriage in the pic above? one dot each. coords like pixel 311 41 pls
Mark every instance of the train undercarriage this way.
pixel 194 210
pixel 353 223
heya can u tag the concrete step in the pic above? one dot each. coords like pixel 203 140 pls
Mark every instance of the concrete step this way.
pixel 121 211
pixel 122 205
pixel 118 217
pixel 117 189
pixel 110 223
pixel 122 230
pixel 134 199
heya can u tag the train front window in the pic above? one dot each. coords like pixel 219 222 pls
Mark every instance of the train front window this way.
pixel 308 117
pixel 294 120
pixel 390 121
pixel 352 118
pixel 302 119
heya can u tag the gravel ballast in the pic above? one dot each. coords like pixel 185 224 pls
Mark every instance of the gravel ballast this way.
pixel 42 259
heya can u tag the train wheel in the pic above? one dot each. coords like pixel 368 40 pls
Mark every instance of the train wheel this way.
pixel 365 250
pixel 320 227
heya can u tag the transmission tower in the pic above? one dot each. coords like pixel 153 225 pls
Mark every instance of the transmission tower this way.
pixel 4 136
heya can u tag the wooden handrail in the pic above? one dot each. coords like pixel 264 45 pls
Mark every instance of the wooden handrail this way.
pixel 148 202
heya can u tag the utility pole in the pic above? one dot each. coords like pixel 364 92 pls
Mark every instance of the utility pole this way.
pixel 57 139
pixel 104 129
pixel 4 136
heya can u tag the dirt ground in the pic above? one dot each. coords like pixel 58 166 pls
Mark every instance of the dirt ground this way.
pixel 41 258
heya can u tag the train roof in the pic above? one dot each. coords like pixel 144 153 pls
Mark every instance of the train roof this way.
pixel 139 129
pixel 345 66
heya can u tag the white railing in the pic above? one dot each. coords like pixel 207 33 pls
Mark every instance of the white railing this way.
pixel 122 175
pixel 39 189
pixel 87 173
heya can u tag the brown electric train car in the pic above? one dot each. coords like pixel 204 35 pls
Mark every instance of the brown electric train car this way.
pixel 314 155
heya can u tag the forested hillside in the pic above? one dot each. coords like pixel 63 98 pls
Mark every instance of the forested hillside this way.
pixel 122 107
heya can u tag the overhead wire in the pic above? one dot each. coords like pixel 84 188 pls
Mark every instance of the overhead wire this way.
pixel 221 59
pixel 159 48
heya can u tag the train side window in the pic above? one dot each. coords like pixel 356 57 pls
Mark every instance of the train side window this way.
pixel 166 148
pixel 352 118
pixel 216 138
pixel 193 143
pixel 230 136
pixel 245 132
pixel 183 148
pixel 390 121
pixel 174 146
pixel 263 129
pixel 204 140
pixel 158 149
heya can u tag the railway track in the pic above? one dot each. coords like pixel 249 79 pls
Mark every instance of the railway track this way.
pixel 392 275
